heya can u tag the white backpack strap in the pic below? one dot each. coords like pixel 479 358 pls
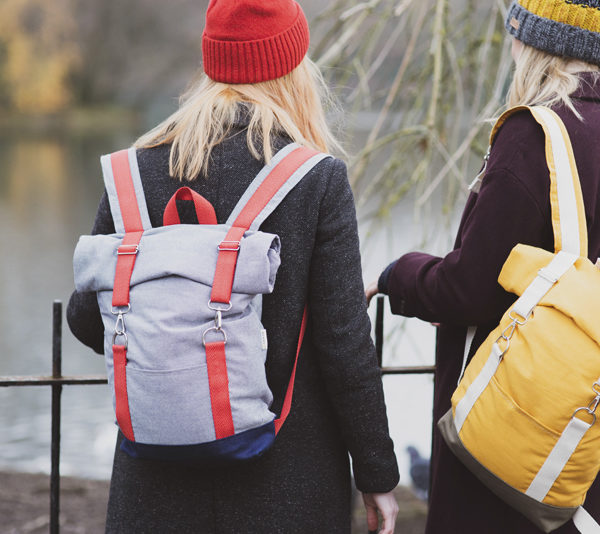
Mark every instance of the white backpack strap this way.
pixel 280 158
pixel 471 330
pixel 568 212
pixel 566 200
pixel 559 456
pixel 123 185
pixel 584 522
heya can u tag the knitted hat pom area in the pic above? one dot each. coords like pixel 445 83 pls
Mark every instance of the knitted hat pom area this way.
pixel 251 41
pixel 568 28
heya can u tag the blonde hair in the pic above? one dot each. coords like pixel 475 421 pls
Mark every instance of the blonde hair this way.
pixel 544 79
pixel 292 104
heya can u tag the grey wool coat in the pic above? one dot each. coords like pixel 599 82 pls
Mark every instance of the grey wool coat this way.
pixel 302 484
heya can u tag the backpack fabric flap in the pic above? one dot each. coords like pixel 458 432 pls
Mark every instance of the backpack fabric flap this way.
pixel 182 251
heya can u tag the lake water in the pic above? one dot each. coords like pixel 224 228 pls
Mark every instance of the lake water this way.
pixel 49 191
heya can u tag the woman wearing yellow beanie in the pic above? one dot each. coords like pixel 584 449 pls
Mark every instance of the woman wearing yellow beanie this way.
pixel 557 53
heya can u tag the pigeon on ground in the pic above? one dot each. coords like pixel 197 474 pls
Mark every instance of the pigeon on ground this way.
pixel 419 472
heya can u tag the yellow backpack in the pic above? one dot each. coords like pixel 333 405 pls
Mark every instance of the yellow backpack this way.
pixel 523 416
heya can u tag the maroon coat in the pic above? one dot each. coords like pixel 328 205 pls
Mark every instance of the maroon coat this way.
pixel 461 289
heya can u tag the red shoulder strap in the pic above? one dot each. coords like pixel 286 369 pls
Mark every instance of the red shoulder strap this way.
pixel 132 222
pixel 287 401
pixel 229 248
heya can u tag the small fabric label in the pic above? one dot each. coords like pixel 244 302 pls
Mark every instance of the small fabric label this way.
pixel 263 339
pixel 515 23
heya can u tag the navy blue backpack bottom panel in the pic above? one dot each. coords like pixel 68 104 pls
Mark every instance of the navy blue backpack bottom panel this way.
pixel 243 446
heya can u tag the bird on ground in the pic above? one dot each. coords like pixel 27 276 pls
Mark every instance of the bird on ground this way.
pixel 419 472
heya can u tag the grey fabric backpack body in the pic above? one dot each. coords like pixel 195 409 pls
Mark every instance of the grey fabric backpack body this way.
pixel 181 305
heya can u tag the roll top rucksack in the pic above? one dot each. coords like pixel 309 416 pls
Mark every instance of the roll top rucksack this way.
pixel 523 417
pixel 181 305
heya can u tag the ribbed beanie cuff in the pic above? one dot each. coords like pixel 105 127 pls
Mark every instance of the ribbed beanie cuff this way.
pixel 560 27
pixel 257 60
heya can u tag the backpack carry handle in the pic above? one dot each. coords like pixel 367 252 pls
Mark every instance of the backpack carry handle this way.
pixel 204 209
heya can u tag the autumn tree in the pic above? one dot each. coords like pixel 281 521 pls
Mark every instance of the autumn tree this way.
pixel 38 54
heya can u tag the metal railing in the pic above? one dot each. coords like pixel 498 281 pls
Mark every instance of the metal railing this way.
pixel 56 382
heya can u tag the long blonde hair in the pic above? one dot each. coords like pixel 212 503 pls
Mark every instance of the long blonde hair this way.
pixel 292 104
pixel 544 79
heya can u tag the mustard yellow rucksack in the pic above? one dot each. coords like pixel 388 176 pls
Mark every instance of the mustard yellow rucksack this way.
pixel 523 417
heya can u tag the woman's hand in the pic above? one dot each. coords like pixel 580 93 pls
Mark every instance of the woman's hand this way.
pixel 387 506
pixel 371 291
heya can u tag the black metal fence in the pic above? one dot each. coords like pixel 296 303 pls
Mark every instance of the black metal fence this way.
pixel 56 382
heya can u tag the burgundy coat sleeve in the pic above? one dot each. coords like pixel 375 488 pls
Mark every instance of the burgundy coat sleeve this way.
pixel 511 207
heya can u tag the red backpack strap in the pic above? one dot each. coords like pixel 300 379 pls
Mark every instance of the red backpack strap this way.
pixel 130 215
pixel 276 180
pixel 265 193
pixel 287 401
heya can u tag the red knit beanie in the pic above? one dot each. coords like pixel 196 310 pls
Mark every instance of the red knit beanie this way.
pixel 251 41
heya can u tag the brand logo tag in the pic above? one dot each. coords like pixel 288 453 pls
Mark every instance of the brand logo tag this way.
pixel 263 339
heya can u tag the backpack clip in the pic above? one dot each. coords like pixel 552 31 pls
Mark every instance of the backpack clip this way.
pixel 120 324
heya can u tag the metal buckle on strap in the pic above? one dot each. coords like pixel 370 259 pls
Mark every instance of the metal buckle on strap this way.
pixel 232 246
pixel 120 334
pixel 517 318
pixel 128 250
pixel 588 411
pixel 226 306
pixel 218 330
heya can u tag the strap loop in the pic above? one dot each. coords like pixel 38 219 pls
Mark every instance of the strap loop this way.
pixel 205 212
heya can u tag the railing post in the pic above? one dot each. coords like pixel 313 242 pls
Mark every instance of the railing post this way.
pixel 379 329
pixel 56 397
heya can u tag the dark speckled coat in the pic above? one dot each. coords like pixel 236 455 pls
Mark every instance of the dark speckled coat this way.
pixel 461 289
pixel 302 485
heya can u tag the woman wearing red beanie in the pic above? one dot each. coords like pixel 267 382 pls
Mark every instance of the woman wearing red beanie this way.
pixel 258 94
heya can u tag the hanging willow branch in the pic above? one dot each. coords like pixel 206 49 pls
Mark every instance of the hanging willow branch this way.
pixel 422 78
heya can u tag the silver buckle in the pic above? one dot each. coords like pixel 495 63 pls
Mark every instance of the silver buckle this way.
pixel 232 246
pixel 218 330
pixel 120 334
pixel 226 306
pixel 131 251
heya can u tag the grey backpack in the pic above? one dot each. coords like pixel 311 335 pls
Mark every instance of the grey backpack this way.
pixel 181 306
